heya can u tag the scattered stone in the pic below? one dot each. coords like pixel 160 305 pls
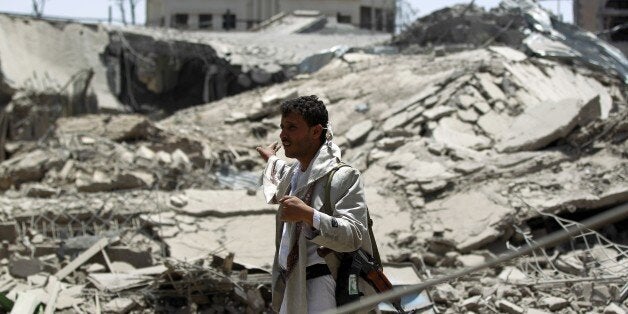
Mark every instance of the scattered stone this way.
pixel 119 305
pixel 164 158
pixel 40 190
pixel 468 167
pixel 466 101
pixel 509 307
pixel 512 274
pixel 472 303
pixel 23 267
pixel 554 303
pixel 181 161
pixel 471 260
pixel 390 144
pixel 468 115
pixel 482 107
pixel 145 154
pixel 434 186
pixel 178 200
pixel 438 112
pixel 613 308
pixel 445 293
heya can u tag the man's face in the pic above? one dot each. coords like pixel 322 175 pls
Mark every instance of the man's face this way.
pixel 298 139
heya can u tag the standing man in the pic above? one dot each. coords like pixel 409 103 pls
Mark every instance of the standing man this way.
pixel 302 281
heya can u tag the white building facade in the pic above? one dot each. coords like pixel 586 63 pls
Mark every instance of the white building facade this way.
pixel 241 15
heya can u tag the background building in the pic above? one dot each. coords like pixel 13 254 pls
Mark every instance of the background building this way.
pixel 607 18
pixel 244 14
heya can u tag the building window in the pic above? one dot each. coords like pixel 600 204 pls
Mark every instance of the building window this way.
pixel 205 21
pixel 228 20
pixel 180 20
pixel 342 18
pixel 379 19
pixel 365 17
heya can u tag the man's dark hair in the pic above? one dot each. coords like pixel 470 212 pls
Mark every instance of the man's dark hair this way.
pixel 311 109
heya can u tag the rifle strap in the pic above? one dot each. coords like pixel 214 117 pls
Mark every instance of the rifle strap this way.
pixel 328 209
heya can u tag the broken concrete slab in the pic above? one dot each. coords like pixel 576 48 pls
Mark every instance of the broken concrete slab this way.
pixel 358 132
pixel 420 171
pixel 541 125
pixel 224 203
pixel 276 95
pixel 387 217
pixel 438 112
pixel 494 124
pixel 404 104
pixel 122 127
pixel 468 167
pixel 450 137
pixel 401 119
pixel 509 53
pixel 492 91
pixel 468 115
pixel 41 190
pixel 226 234
pixel 118 282
pixel 390 143
pixel 473 217
pixel 482 107
pixel 20 267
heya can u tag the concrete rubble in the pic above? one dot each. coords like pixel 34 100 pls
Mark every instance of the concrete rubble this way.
pixel 121 195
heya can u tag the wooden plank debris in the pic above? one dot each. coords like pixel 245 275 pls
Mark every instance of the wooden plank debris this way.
pixel 84 257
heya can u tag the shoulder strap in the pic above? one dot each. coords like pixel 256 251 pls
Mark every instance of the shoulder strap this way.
pixel 327 209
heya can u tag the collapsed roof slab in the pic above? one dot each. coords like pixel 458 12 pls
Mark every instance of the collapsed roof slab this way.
pixel 41 55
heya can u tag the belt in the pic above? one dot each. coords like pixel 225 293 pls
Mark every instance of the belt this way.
pixel 316 270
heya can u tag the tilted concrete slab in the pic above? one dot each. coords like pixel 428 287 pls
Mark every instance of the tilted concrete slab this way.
pixel 541 125
pixel 472 219
pixel 224 203
pixel 251 238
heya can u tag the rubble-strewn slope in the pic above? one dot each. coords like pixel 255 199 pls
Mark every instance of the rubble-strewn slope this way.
pixel 464 156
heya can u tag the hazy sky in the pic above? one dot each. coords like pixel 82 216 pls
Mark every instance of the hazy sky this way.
pixel 99 8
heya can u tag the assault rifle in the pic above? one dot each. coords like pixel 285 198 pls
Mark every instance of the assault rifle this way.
pixel 372 272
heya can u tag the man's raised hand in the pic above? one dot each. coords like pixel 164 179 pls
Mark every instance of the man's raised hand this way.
pixel 267 152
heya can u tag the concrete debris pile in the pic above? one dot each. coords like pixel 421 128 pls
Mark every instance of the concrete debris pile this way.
pixel 464 156
pixel 520 24
pixel 588 274
pixel 472 146
pixel 112 258
pixel 118 69
pixel 463 24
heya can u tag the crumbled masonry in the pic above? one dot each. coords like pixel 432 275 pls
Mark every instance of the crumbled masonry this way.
pixel 129 180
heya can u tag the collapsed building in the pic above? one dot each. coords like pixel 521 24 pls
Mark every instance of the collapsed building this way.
pixel 465 154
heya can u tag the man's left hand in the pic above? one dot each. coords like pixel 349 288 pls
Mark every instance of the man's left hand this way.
pixel 293 209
